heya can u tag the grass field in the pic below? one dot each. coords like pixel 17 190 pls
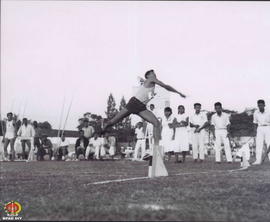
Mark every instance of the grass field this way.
pixel 206 191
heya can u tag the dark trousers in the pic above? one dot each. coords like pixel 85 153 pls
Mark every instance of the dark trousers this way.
pixel 62 151
pixel 42 151
pixel 28 142
pixel 79 150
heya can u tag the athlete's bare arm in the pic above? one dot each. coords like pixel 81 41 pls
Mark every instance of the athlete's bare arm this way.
pixel 165 86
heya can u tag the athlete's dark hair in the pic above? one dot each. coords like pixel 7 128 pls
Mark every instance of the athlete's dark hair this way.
pixel 218 104
pixel 10 113
pixel 152 105
pixel 197 104
pixel 168 109
pixel 261 101
pixel 181 106
pixel 148 73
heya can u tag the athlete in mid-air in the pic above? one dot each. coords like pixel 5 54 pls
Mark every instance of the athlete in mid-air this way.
pixel 137 104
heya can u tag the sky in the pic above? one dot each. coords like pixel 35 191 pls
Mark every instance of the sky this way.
pixel 53 51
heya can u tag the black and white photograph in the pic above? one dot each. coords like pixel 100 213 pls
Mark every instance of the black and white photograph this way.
pixel 135 110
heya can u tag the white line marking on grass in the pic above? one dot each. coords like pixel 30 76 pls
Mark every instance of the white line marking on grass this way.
pixel 178 174
pixel 119 180
pixel 243 168
pixel 151 207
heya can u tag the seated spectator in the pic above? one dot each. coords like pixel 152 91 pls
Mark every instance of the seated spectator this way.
pixel 81 144
pixel 97 143
pixel 62 148
pixel 45 148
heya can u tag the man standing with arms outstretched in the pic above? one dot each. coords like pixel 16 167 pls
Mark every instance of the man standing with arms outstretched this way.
pixel 261 119
pixel 137 104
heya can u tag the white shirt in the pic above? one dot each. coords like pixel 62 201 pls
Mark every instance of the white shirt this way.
pixel 198 119
pixel 95 142
pixel 88 131
pixel 220 122
pixel 10 130
pixel 112 140
pixel 139 133
pixel 62 143
pixel 261 118
pixel 26 132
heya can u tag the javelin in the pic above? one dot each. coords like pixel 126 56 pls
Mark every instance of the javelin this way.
pixel 61 117
pixel 24 108
pixel 2 127
pixel 12 105
pixel 67 116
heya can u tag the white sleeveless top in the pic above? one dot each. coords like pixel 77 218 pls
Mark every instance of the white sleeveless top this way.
pixel 143 93
pixel 10 130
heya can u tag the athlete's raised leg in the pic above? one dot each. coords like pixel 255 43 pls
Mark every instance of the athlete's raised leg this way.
pixel 119 116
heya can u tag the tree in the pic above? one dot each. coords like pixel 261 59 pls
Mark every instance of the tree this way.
pixel 126 122
pixel 111 107
pixel 45 125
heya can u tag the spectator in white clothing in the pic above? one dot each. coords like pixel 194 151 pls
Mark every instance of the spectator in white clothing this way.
pixel 27 133
pixel 62 149
pixel 140 143
pixel 221 123
pixel 261 120
pixel 198 121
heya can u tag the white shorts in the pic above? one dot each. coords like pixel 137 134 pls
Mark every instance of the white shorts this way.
pixel 9 136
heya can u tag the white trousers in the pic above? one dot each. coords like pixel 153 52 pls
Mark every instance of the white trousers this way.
pixel 140 144
pixel 221 137
pixel 198 145
pixel 112 150
pixel 263 136
pixel 89 149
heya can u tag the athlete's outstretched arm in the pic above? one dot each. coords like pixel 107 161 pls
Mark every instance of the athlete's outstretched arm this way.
pixel 168 87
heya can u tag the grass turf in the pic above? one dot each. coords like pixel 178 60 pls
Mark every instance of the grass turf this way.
pixel 52 190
